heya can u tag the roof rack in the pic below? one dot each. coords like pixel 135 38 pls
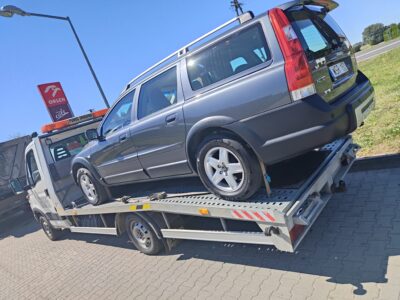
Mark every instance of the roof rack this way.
pixel 247 16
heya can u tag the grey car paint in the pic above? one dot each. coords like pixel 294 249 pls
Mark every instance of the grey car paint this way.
pixel 159 139
pixel 156 147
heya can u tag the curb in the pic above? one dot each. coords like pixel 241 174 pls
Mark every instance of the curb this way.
pixel 376 163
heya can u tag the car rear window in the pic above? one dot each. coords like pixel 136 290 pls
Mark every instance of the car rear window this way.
pixel 313 39
pixel 237 53
pixel 318 33
pixel 68 147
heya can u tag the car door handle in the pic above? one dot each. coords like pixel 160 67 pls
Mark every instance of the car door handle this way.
pixel 170 119
pixel 123 138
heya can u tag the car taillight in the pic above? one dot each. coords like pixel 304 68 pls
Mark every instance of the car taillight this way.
pixel 298 74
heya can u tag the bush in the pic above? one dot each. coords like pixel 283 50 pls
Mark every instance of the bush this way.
pixel 373 34
pixel 387 35
pixel 357 47
pixel 395 30
pixel 391 32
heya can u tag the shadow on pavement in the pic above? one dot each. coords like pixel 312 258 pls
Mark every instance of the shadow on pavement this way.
pixel 18 226
pixel 104 240
pixel 351 242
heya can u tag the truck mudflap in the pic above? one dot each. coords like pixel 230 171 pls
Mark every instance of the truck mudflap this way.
pixel 282 219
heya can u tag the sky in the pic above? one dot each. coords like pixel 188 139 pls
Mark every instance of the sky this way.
pixel 122 38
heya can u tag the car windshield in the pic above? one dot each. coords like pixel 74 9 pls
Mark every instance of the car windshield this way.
pixel 68 147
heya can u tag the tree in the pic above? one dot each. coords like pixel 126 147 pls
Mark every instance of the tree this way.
pixel 373 34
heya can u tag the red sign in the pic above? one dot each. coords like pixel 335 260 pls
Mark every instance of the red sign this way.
pixel 55 101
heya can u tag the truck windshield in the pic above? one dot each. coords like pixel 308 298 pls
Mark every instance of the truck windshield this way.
pixel 68 147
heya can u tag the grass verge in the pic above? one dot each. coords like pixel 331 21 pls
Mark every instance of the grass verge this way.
pixel 381 132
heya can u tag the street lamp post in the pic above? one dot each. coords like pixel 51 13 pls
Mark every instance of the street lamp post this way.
pixel 10 10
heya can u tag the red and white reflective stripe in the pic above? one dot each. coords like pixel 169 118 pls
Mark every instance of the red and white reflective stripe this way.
pixel 262 216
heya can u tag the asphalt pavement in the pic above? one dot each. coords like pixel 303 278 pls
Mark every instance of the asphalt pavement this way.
pixel 376 51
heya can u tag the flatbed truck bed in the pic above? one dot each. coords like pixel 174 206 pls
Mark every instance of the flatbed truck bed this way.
pixel 282 218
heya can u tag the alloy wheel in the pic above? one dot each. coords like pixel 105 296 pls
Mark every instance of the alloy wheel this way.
pixel 224 169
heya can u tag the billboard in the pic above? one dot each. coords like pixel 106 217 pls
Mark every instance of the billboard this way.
pixel 55 100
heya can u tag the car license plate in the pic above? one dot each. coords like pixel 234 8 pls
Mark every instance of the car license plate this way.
pixel 338 70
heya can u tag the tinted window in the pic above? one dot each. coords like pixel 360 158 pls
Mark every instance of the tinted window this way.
pixel 33 170
pixel 158 93
pixel 313 39
pixel 120 116
pixel 233 55
pixel 68 147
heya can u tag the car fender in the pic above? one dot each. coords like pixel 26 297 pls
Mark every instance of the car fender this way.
pixel 204 124
pixel 84 162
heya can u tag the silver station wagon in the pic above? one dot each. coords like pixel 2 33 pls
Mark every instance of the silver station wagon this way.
pixel 267 89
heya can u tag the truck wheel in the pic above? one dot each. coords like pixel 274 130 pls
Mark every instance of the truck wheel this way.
pixel 52 233
pixel 228 169
pixel 142 235
pixel 94 192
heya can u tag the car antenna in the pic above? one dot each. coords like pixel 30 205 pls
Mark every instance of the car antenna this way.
pixel 237 6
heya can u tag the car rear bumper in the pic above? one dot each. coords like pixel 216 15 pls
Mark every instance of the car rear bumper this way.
pixel 304 125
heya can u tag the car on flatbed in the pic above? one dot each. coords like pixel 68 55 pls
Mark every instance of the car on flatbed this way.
pixel 272 88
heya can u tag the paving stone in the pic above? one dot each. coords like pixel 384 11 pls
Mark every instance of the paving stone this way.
pixel 353 252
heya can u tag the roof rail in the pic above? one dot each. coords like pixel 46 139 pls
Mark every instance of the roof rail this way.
pixel 247 16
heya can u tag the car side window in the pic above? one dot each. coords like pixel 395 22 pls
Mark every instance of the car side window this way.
pixel 33 170
pixel 235 54
pixel 120 116
pixel 158 93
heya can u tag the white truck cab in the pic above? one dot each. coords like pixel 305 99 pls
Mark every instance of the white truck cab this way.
pixel 48 166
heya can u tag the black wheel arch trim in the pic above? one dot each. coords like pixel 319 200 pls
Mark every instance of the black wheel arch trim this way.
pixel 224 123
pixel 83 162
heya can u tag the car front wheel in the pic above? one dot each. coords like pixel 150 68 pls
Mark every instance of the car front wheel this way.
pixel 228 169
pixel 52 233
pixel 94 192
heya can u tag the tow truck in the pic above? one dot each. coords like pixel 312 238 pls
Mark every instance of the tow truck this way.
pixel 156 215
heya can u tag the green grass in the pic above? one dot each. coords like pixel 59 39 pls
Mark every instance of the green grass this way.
pixel 381 132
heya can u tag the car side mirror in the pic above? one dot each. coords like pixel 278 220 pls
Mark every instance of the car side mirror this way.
pixel 92 135
pixel 17 187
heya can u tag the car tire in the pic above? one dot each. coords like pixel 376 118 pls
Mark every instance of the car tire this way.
pixel 228 169
pixel 142 235
pixel 52 233
pixel 94 192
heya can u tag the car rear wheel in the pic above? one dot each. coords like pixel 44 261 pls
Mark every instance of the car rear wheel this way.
pixel 94 192
pixel 228 169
